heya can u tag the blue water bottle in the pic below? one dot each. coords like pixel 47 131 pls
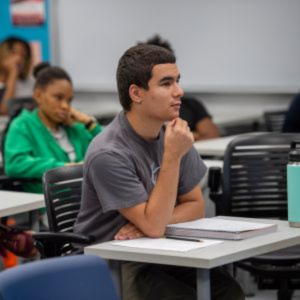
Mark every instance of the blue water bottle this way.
pixel 293 184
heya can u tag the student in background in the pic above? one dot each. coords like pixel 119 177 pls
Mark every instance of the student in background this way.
pixel 292 121
pixel 15 67
pixel 191 110
pixel 141 174
pixel 53 135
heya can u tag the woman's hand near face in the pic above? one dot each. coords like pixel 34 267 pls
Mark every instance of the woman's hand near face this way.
pixel 77 116
pixel 11 66
pixel 12 63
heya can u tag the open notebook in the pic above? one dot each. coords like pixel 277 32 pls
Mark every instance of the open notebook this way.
pixel 217 228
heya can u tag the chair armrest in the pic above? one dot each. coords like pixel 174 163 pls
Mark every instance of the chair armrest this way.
pixel 63 237
pixel 214 179
pixel 52 244
pixel 214 185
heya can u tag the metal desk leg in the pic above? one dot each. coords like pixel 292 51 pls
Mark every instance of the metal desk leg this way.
pixel 115 267
pixel 230 269
pixel 203 284
pixel 34 220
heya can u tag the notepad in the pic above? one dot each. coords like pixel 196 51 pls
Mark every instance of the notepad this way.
pixel 218 228
pixel 165 244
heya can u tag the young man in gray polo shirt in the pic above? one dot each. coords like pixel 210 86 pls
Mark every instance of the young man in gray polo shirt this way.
pixel 142 173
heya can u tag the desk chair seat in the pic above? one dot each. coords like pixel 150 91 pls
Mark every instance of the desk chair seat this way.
pixel 254 185
pixel 65 278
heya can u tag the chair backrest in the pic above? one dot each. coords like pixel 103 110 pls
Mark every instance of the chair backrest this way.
pixel 62 189
pixel 254 175
pixel 75 277
pixel 15 105
pixel 274 120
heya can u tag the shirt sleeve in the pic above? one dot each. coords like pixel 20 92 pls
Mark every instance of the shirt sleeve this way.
pixel 19 161
pixel 114 178
pixel 192 171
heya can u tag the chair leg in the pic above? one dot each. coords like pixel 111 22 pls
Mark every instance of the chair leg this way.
pixel 246 280
pixel 284 293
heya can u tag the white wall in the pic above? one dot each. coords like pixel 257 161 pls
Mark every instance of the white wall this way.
pixel 239 56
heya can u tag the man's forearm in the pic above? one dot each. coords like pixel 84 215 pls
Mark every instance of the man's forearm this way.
pixel 161 202
pixel 187 211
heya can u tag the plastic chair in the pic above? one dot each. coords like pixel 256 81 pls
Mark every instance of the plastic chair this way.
pixel 15 105
pixel 76 277
pixel 254 185
pixel 274 120
pixel 62 190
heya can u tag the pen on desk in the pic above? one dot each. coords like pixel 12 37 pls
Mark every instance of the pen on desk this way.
pixel 183 239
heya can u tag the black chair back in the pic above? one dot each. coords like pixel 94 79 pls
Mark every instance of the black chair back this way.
pixel 255 185
pixel 62 190
pixel 254 175
pixel 16 105
pixel 274 120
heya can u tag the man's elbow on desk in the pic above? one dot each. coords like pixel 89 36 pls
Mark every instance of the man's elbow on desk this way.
pixel 151 225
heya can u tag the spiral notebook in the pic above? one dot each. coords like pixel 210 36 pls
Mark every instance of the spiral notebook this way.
pixel 217 228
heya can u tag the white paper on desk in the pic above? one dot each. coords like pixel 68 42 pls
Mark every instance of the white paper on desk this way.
pixel 166 244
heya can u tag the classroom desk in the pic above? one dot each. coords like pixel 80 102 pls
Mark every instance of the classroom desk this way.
pixel 222 119
pixel 18 202
pixel 206 258
pixel 214 147
pixel 213 163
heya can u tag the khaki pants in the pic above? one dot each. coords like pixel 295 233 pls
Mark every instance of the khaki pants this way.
pixel 159 282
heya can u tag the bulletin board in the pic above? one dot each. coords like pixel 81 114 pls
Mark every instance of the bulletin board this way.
pixel 28 20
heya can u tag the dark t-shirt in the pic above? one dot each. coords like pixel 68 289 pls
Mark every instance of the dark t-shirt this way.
pixel 120 170
pixel 292 119
pixel 192 111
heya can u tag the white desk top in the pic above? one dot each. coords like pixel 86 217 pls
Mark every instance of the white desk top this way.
pixel 207 258
pixel 18 202
pixel 213 163
pixel 228 119
pixel 214 147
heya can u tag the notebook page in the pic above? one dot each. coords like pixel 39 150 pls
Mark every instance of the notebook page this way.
pixel 220 225
pixel 166 244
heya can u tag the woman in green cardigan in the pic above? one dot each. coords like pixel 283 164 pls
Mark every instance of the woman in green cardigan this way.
pixel 53 135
